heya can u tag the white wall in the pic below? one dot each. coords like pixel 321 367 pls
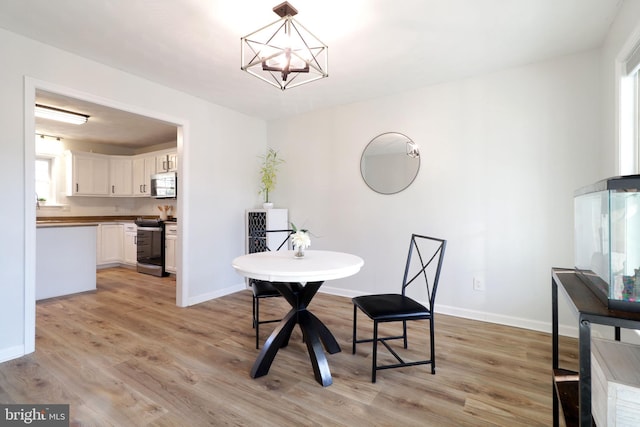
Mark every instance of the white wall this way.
pixel 501 157
pixel 219 181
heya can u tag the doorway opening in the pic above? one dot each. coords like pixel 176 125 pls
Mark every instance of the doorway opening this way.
pixel 150 123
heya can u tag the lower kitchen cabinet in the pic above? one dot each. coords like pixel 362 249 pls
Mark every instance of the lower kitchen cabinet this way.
pixel 117 244
pixel 130 244
pixel 110 243
pixel 171 237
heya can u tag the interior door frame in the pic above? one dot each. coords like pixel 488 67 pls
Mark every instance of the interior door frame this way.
pixel 31 85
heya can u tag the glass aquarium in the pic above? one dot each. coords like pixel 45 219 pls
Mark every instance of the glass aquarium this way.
pixel 607 240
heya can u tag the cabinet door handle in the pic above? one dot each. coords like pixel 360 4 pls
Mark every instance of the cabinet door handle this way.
pixel 142 188
pixel 135 240
pixel 164 165
pixel 77 187
pixel 113 189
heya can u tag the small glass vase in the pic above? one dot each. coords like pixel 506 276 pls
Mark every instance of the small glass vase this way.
pixel 299 253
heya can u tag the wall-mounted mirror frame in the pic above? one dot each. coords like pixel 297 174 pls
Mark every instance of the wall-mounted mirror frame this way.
pixel 390 163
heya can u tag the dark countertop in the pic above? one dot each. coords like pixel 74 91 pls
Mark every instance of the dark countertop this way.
pixel 53 224
pixel 77 221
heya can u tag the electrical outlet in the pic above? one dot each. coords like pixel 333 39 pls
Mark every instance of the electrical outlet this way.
pixel 478 284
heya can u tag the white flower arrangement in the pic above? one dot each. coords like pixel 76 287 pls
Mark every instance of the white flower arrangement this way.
pixel 300 238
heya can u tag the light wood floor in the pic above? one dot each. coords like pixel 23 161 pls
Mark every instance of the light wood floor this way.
pixel 127 356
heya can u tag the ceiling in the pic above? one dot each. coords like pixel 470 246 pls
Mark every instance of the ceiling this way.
pixel 105 125
pixel 376 47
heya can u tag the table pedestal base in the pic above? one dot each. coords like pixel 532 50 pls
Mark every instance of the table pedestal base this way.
pixel 314 332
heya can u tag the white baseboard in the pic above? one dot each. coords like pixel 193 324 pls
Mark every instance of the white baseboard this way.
pixel 11 353
pixel 518 322
pixel 217 294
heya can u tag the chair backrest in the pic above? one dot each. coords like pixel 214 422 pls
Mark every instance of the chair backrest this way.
pixel 424 261
pixel 269 240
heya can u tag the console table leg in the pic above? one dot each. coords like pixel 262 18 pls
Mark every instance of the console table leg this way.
pixel 585 371
pixel 555 348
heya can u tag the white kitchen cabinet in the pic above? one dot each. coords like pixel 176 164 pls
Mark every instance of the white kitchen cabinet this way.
pixel 130 244
pixel 110 243
pixel 167 162
pixel 120 173
pixel 87 174
pixel 170 240
pixel 143 168
pixel 92 174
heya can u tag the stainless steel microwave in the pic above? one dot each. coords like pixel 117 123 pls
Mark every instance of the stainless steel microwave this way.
pixel 164 185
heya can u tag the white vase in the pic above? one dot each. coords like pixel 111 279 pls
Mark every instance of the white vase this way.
pixel 267 205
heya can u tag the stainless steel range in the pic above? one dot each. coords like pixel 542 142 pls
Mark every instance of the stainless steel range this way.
pixel 150 244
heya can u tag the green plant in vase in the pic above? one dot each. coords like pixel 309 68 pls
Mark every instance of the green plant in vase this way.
pixel 268 173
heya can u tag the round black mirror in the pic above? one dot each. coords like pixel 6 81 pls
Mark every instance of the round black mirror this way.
pixel 390 163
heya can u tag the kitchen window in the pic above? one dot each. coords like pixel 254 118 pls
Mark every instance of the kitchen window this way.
pixel 45 184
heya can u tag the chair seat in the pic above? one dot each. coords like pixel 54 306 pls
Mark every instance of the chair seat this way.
pixel 390 307
pixel 263 289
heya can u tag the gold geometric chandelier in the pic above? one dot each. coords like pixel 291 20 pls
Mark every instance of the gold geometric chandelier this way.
pixel 284 53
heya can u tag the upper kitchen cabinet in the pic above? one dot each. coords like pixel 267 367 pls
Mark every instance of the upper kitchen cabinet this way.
pixel 121 170
pixel 143 168
pixel 87 174
pixel 92 174
pixel 167 162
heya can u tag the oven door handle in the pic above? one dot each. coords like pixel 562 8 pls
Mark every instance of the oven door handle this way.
pixel 149 228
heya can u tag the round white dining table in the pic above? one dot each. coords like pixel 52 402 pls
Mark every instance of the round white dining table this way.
pixel 298 280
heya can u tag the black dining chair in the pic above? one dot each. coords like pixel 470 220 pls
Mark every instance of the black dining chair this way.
pixel 424 261
pixel 261 289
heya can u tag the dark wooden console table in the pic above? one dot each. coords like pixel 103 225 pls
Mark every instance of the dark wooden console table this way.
pixel 572 390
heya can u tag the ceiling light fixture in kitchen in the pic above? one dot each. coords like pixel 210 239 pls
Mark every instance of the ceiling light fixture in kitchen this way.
pixel 43 136
pixel 284 53
pixel 60 115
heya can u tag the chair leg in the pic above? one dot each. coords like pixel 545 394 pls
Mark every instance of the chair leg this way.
pixel 257 323
pixel 404 332
pixel 353 349
pixel 374 363
pixel 253 309
pixel 433 345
